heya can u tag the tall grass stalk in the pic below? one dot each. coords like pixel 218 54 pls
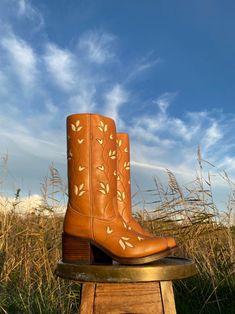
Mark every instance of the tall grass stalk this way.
pixel 30 247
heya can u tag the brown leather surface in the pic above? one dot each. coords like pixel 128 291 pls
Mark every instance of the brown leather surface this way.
pixel 92 175
pixel 124 188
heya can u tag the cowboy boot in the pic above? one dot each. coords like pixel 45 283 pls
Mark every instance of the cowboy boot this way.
pixel 124 185
pixel 93 229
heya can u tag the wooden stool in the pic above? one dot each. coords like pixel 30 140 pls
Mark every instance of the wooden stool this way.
pixel 142 289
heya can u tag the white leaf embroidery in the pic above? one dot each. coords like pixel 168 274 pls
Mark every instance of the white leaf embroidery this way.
pixel 77 123
pixel 75 189
pixel 100 141
pixel 124 238
pixel 80 141
pixel 81 193
pixel 109 230
pixel 81 186
pixel 102 185
pixel 119 142
pixel 122 244
pixel 112 154
pixel 102 191
pixel 123 196
pixel 80 168
pixel 101 168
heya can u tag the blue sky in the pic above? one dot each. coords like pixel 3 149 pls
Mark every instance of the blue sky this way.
pixel 164 70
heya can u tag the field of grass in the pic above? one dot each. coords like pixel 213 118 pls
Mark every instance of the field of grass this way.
pixel 30 246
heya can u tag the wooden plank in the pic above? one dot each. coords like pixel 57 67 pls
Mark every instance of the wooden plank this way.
pixel 141 298
pixel 168 299
pixel 87 298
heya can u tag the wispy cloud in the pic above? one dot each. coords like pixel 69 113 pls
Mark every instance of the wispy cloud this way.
pixel 142 65
pixel 21 57
pixel 97 45
pixel 65 80
pixel 27 10
pixel 60 64
pixel 213 135
pixel 114 99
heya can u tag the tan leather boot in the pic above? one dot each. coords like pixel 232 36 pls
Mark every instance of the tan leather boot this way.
pixel 94 231
pixel 124 185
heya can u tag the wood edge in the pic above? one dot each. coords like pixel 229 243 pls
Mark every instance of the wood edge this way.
pixel 87 298
pixel 168 299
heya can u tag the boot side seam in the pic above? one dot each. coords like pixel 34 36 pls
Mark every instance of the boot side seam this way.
pixel 90 177
pixel 70 207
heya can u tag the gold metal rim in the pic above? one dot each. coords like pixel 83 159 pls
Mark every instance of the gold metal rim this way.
pixel 168 268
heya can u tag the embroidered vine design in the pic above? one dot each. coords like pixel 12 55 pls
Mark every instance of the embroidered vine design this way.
pixel 123 242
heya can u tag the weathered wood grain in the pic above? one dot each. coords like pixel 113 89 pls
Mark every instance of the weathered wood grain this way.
pixel 87 298
pixel 167 295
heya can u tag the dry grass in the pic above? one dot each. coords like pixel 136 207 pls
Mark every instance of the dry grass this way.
pixel 204 233
pixel 30 248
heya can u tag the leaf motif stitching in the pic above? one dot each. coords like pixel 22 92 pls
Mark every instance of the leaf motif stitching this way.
pixel 119 143
pixel 109 230
pixel 80 141
pixel 120 196
pixel 103 127
pixel 112 154
pixel 104 188
pixel 124 243
pixel 76 127
pixel 81 168
pixel 101 167
pixel 100 141
pixel 79 190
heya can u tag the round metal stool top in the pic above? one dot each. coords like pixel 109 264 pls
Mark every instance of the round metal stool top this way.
pixel 168 268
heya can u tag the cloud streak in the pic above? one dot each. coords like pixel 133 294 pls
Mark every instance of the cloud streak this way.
pixel 60 64
pixel 39 87
pixel 96 45
pixel 22 58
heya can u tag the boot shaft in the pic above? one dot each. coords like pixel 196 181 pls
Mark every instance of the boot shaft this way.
pixel 92 218
pixel 92 181
pixel 123 176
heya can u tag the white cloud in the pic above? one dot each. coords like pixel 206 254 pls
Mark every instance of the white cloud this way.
pixel 142 65
pixel 35 137
pixel 61 65
pixel 84 100
pixel 26 9
pixel 212 135
pixel 22 58
pixel 115 98
pixel 164 101
pixel 23 7
pixel 52 108
pixel 97 46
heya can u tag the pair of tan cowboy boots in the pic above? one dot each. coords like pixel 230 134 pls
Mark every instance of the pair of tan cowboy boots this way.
pixel 98 225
